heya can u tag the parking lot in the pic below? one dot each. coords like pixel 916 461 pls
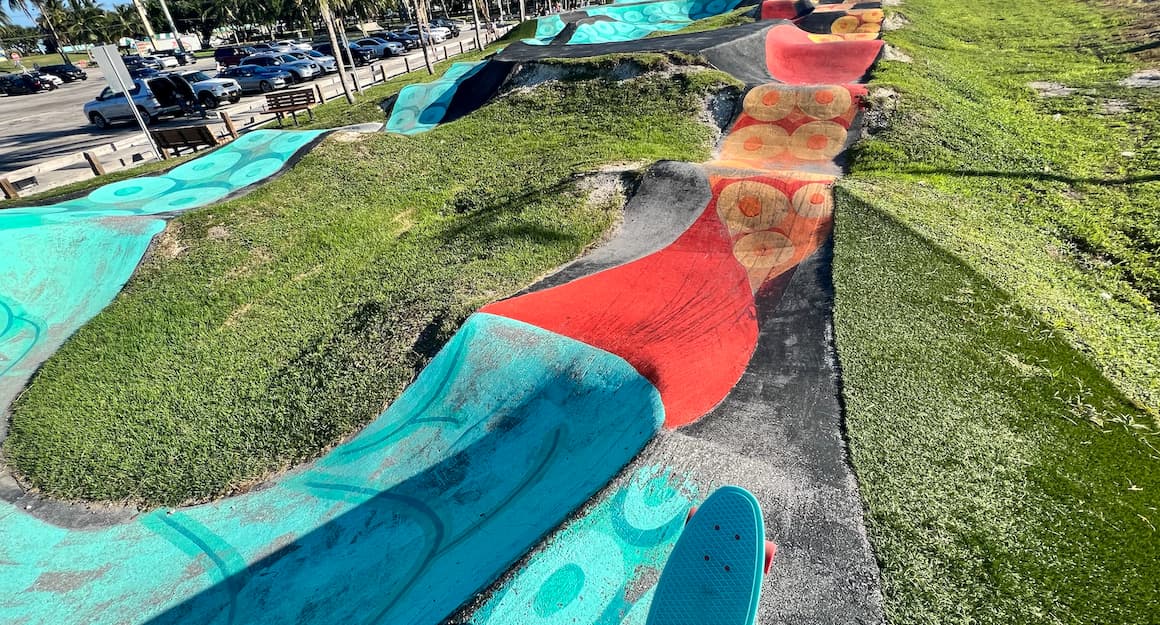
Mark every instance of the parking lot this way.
pixel 41 126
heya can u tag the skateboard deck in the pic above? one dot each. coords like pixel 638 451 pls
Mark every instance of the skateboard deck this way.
pixel 713 576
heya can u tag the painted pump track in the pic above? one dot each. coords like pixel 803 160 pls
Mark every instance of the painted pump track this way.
pixel 801 44
pixel 534 406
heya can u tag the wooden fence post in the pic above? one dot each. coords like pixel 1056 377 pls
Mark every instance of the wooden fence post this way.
pixel 357 85
pixel 318 89
pixel 461 47
pixel 10 191
pixel 407 65
pixel 94 163
pixel 230 128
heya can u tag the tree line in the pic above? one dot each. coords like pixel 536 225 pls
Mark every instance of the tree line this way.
pixel 85 22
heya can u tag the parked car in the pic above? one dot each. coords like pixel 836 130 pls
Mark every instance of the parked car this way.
pixel 23 83
pixel 133 61
pixel 354 55
pixel 294 45
pixel 255 78
pixel 67 73
pixel 229 56
pixel 410 42
pixel 328 63
pixel 182 58
pixel 143 72
pixel 154 97
pixel 431 35
pixel 55 80
pixel 211 92
pixel 299 70
pixel 381 47
pixel 451 26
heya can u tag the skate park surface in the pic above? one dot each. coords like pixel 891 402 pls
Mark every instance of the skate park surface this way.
pixel 624 387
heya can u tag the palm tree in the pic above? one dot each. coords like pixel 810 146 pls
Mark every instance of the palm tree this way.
pixel 26 7
pixel 328 19
pixel 84 21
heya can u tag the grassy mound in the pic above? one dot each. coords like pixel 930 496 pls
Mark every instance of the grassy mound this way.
pixel 996 320
pixel 265 329
pixel 1055 199
pixel 1005 479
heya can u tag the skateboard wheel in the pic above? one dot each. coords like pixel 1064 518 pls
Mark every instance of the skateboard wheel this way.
pixel 689 516
pixel 770 551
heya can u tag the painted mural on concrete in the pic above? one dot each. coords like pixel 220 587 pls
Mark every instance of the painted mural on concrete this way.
pixel 590 570
pixel 473 463
pixel 64 262
pixel 419 108
pixel 534 406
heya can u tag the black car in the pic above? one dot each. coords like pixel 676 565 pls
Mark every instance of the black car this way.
pixel 143 72
pixel 446 23
pixel 361 55
pixel 183 58
pixel 410 42
pixel 136 61
pixel 230 56
pixel 19 84
pixel 67 73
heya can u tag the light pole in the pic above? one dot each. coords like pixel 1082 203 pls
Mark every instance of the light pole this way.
pixel 145 20
pixel 173 27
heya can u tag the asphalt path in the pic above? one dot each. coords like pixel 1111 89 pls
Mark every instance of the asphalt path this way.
pixel 45 125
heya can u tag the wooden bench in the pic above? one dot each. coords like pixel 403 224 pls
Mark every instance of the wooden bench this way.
pixel 291 102
pixel 178 139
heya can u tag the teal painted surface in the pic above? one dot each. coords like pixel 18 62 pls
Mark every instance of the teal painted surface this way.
pixel 629 21
pixel 54 278
pixel 421 107
pixel 503 434
pixel 637 21
pixel 592 570
pixel 714 572
pixel 62 263
pixel 546 29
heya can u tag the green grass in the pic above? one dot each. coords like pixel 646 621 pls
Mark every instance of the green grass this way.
pixel 1005 479
pixel 292 316
pixel 41 59
pixel 996 321
pixel 1050 198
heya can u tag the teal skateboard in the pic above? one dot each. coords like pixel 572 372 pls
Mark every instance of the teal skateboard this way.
pixel 713 576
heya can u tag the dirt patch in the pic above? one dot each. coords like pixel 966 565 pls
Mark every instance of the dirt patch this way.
pixel 346 137
pixel 1051 89
pixel 1147 79
pixel 890 53
pixel 237 314
pixel 168 245
pixel 218 233
pixel 1113 106
pixel 894 21
pixel 880 105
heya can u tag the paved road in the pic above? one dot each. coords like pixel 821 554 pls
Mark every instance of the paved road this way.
pixel 37 127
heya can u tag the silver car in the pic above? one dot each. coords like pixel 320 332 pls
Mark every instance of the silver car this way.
pixel 154 97
pixel 326 62
pixel 300 70
pixel 255 78
pixel 211 92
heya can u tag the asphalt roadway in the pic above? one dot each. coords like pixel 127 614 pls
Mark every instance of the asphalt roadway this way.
pixel 45 125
